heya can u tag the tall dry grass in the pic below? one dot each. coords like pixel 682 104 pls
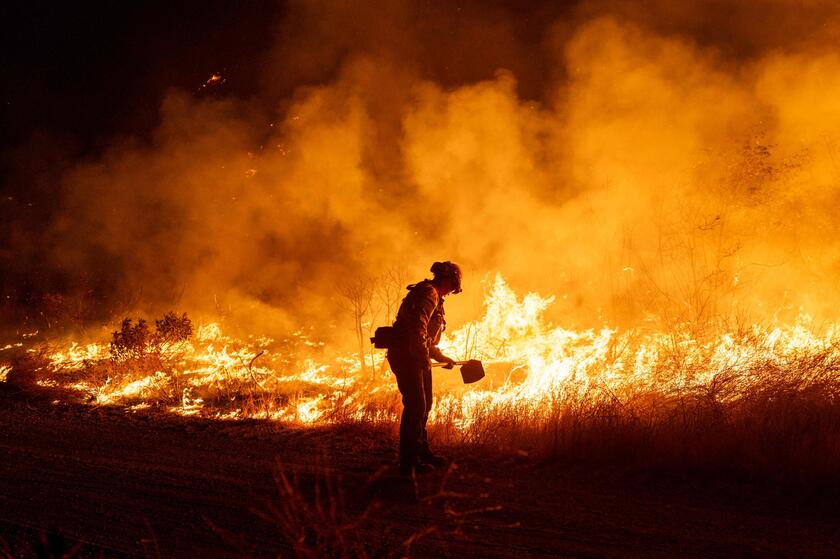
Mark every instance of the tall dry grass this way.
pixel 775 419
pixel 763 411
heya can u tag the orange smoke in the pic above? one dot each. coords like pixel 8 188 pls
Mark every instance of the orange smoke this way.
pixel 632 162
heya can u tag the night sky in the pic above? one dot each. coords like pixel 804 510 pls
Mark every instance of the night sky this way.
pixel 86 70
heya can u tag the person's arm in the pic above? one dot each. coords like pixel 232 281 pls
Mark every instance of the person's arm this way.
pixel 436 354
pixel 437 324
pixel 418 323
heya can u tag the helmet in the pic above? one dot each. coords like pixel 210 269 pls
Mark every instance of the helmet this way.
pixel 448 270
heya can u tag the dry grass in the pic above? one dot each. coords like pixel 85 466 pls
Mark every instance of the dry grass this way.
pixel 775 421
pixel 315 518
pixel 763 414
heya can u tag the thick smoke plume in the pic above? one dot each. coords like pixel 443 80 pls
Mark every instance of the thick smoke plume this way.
pixel 660 163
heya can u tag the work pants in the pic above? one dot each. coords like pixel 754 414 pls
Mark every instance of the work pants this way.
pixel 414 379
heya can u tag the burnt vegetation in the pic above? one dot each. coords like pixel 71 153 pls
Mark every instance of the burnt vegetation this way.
pixel 137 341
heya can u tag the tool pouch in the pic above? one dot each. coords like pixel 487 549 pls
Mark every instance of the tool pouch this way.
pixel 384 337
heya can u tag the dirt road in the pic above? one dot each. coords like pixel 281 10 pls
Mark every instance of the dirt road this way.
pixel 139 484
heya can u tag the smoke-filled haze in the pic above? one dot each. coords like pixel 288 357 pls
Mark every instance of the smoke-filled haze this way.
pixel 648 162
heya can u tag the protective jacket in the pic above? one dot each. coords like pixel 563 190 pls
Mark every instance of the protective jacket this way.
pixel 420 322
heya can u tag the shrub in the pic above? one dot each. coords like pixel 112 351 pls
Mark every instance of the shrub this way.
pixel 135 341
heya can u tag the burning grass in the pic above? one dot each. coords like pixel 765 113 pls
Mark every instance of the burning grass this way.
pixel 759 401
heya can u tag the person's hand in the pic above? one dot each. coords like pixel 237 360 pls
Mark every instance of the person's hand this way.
pixel 450 363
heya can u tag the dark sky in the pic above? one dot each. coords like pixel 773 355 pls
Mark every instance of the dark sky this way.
pixel 86 70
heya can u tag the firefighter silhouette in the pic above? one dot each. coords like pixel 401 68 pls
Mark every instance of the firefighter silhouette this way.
pixel 417 329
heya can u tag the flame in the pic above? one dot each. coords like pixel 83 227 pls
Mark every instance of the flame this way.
pixel 75 356
pixel 530 363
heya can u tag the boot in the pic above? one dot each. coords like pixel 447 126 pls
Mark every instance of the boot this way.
pixel 432 459
pixel 409 469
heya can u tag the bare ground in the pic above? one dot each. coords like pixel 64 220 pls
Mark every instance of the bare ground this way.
pixel 151 485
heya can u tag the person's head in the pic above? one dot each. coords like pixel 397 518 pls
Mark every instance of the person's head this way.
pixel 447 277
